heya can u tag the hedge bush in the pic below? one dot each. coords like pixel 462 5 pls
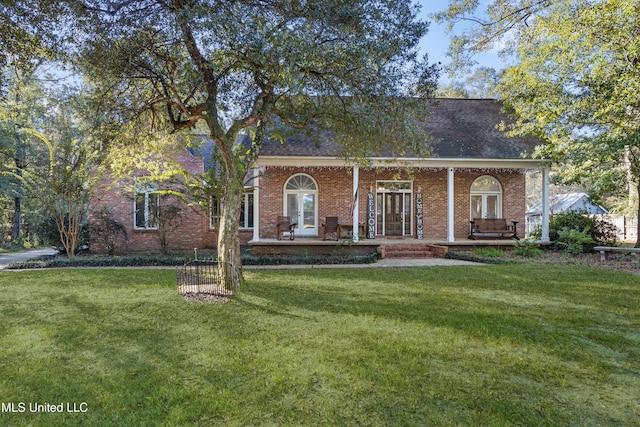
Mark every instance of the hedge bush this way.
pixel 601 232
pixel 150 261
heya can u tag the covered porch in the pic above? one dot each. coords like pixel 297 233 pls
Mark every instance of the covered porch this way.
pixel 434 201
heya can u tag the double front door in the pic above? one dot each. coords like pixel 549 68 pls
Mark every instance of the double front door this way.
pixel 300 204
pixel 394 214
pixel 301 208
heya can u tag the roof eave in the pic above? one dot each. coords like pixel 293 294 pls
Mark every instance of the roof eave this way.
pixel 431 162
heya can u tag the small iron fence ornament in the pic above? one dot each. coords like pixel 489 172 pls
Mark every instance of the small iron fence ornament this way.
pixel 201 277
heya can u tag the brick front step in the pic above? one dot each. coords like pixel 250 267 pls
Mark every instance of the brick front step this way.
pixel 412 251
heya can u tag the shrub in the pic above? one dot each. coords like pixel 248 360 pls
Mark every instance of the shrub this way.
pixel 108 232
pixel 490 253
pixel 526 248
pixel 147 260
pixel 574 241
pixel 463 256
pixel 600 231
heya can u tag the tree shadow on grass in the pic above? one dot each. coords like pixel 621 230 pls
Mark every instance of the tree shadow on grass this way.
pixel 555 313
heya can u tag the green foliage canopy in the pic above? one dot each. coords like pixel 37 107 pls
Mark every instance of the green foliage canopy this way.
pixel 576 83
pixel 250 66
pixel 575 80
pixel 234 66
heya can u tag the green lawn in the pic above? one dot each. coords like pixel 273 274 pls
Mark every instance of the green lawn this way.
pixel 485 345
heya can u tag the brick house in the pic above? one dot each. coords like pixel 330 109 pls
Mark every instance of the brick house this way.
pixel 474 171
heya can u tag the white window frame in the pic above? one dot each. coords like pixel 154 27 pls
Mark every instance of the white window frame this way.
pixel 484 194
pixel 148 193
pixel 214 220
pixel 247 210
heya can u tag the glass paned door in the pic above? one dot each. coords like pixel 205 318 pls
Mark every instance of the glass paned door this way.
pixel 476 206
pixel 486 198
pixel 492 206
pixel 309 211
pixel 393 215
pixel 393 208
pixel 485 206
pixel 293 211
pixel 301 208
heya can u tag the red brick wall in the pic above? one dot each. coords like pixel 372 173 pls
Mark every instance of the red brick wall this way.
pixel 335 187
pixel 117 196
pixel 335 195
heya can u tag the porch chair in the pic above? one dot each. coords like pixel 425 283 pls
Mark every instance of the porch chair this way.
pixel 331 226
pixel 284 225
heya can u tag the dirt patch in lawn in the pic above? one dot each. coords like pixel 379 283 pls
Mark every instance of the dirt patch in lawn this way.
pixel 207 298
pixel 205 293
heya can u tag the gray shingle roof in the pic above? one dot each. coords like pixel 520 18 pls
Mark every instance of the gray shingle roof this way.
pixel 568 202
pixel 461 129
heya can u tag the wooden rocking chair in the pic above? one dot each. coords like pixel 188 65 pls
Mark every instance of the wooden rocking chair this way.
pixel 284 225
pixel 331 226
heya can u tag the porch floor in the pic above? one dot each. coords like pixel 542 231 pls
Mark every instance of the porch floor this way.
pixel 365 246
pixel 314 241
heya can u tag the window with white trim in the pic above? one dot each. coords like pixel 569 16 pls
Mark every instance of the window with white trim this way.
pixel 486 198
pixel 145 210
pixel 215 210
pixel 246 211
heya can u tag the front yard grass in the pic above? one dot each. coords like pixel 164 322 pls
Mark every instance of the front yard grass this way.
pixel 479 345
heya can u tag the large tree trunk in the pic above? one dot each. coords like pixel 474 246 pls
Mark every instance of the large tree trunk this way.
pixel 228 236
pixel 637 245
pixel 17 215
pixel 17 204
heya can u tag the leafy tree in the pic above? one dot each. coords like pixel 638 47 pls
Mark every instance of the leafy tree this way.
pixel 481 84
pixel 26 34
pixel 575 81
pixel 259 67
pixel 63 179
pixel 21 110
pixel 71 184
pixel 494 28
pixel 31 32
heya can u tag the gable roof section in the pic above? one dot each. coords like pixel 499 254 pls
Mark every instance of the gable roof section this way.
pixel 568 202
pixel 460 128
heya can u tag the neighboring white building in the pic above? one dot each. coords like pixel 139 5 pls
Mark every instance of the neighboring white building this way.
pixel 562 203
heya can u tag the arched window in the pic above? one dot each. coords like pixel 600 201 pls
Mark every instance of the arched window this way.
pixel 301 203
pixel 301 182
pixel 486 198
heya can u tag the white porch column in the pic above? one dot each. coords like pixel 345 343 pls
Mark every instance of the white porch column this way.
pixel 450 210
pixel 545 204
pixel 256 204
pixel 356 179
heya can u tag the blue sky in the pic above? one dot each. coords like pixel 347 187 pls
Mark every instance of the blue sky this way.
pixel 436 42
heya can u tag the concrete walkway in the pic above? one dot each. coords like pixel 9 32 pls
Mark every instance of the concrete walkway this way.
pixel 6 259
